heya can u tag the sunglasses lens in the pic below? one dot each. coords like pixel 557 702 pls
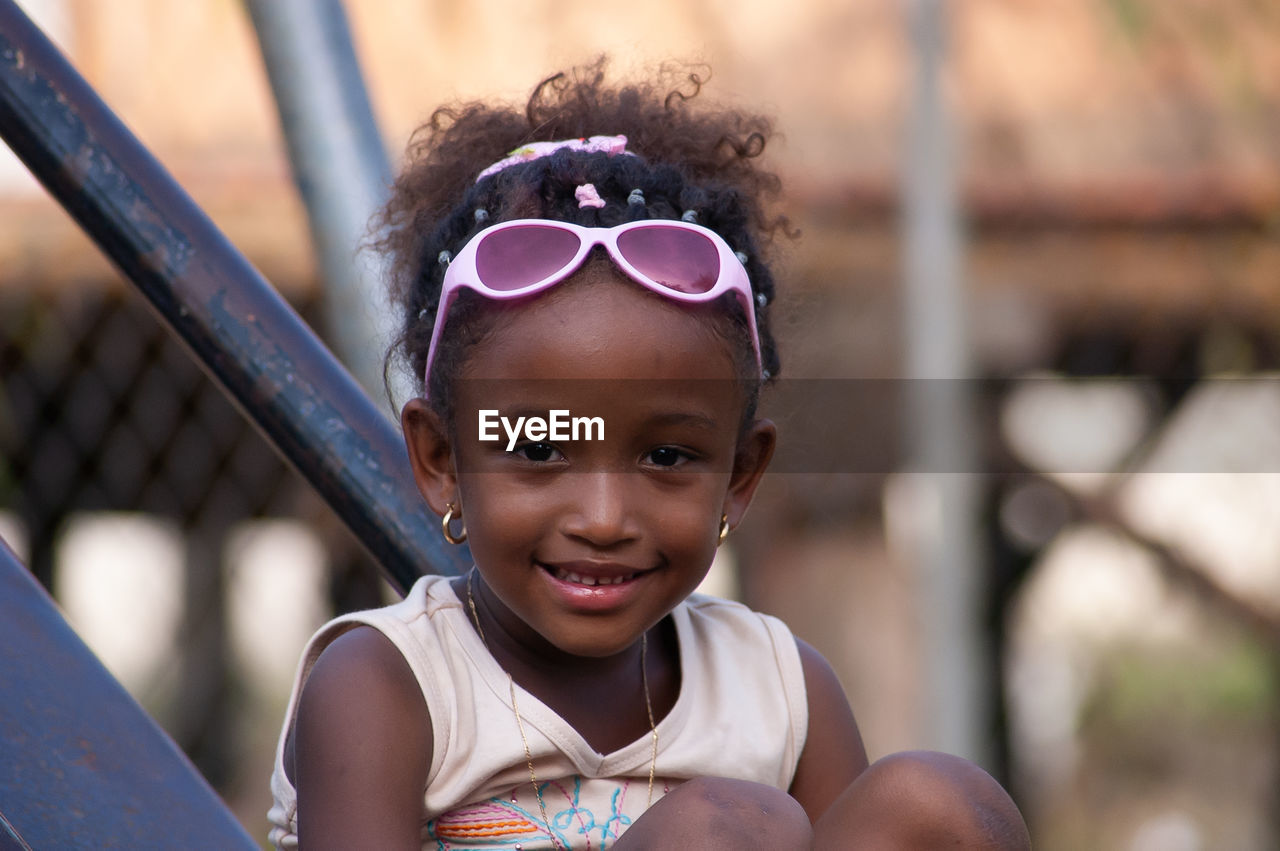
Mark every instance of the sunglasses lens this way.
pixel 683 260
pixel 517 257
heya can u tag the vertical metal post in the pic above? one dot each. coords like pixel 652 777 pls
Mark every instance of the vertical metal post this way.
pixel 942 483
pixel 339 165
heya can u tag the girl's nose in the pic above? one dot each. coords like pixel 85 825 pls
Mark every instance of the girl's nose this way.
pixel 602 511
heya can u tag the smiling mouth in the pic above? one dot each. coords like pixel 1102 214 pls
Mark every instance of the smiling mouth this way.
pixel 589 581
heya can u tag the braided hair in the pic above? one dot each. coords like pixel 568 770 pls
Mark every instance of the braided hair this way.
pixel 699 166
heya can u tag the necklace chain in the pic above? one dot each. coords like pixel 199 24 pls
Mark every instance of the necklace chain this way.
pixel 528 754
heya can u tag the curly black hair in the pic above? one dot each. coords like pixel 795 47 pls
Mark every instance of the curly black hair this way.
pixel 699 161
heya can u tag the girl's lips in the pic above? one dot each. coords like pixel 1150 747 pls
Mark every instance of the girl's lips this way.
pixel 593 586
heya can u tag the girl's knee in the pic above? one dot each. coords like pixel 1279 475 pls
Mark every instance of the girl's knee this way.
pixel 922 799
pixel 716 812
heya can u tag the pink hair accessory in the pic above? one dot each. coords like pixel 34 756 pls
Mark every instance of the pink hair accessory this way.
pixel 588 196
pixel 611 145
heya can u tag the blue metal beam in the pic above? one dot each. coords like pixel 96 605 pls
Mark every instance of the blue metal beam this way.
pixel 81 764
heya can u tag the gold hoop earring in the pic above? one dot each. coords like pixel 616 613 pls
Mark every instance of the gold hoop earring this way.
pixel 447 520
pixel 724 529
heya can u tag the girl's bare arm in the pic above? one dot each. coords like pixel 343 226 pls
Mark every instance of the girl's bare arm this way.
pixel 361 748
pixel 833 755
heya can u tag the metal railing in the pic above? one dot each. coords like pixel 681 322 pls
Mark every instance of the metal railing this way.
pixel 83 764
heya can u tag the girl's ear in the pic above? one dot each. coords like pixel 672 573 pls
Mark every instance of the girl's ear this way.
pixel 430 454
pixel 749 463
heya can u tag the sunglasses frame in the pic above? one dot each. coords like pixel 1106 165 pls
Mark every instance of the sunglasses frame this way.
pixel 462 273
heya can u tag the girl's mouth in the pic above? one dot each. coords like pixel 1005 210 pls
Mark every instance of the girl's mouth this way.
pixel 596 587
pixel 587 579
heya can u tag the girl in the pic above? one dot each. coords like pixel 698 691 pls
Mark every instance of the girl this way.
pixel 589 317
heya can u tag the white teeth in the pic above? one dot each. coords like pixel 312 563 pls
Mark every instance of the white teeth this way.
pixel 591 581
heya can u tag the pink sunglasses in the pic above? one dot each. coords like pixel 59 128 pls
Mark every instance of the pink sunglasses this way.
pixel 676 259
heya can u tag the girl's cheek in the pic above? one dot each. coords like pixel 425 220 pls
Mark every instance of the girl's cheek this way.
pixel 504 506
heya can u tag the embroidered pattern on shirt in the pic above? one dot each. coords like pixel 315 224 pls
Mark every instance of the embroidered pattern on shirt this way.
pixel 510 823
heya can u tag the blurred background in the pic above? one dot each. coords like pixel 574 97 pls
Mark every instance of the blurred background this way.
pixel 1084 595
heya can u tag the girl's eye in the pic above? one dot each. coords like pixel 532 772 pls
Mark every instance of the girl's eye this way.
pixel 538 452
pixel 666 456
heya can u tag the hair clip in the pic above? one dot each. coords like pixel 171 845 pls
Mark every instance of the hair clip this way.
pixel 443 258
pixel 611 145
pixel 588 196
pixel 742 257
pixel 636 197
pixel 482 215
pixel 761 299
pixel 690 216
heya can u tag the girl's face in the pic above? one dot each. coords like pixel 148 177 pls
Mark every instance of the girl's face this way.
pixel 586 543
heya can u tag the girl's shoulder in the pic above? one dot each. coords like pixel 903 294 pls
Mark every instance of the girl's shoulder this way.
pixel 371 647
pixel 719 635
pixel 709 617
pixel 358 691
pixel 405 623
pixel 359 675
pixel 412 631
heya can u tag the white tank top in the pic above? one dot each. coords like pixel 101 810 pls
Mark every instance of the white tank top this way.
pixel 741 713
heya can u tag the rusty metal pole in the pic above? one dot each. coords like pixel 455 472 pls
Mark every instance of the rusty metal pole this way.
pixel 246 336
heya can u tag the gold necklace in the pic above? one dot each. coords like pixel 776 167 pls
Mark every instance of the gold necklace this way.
pixel 528 754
